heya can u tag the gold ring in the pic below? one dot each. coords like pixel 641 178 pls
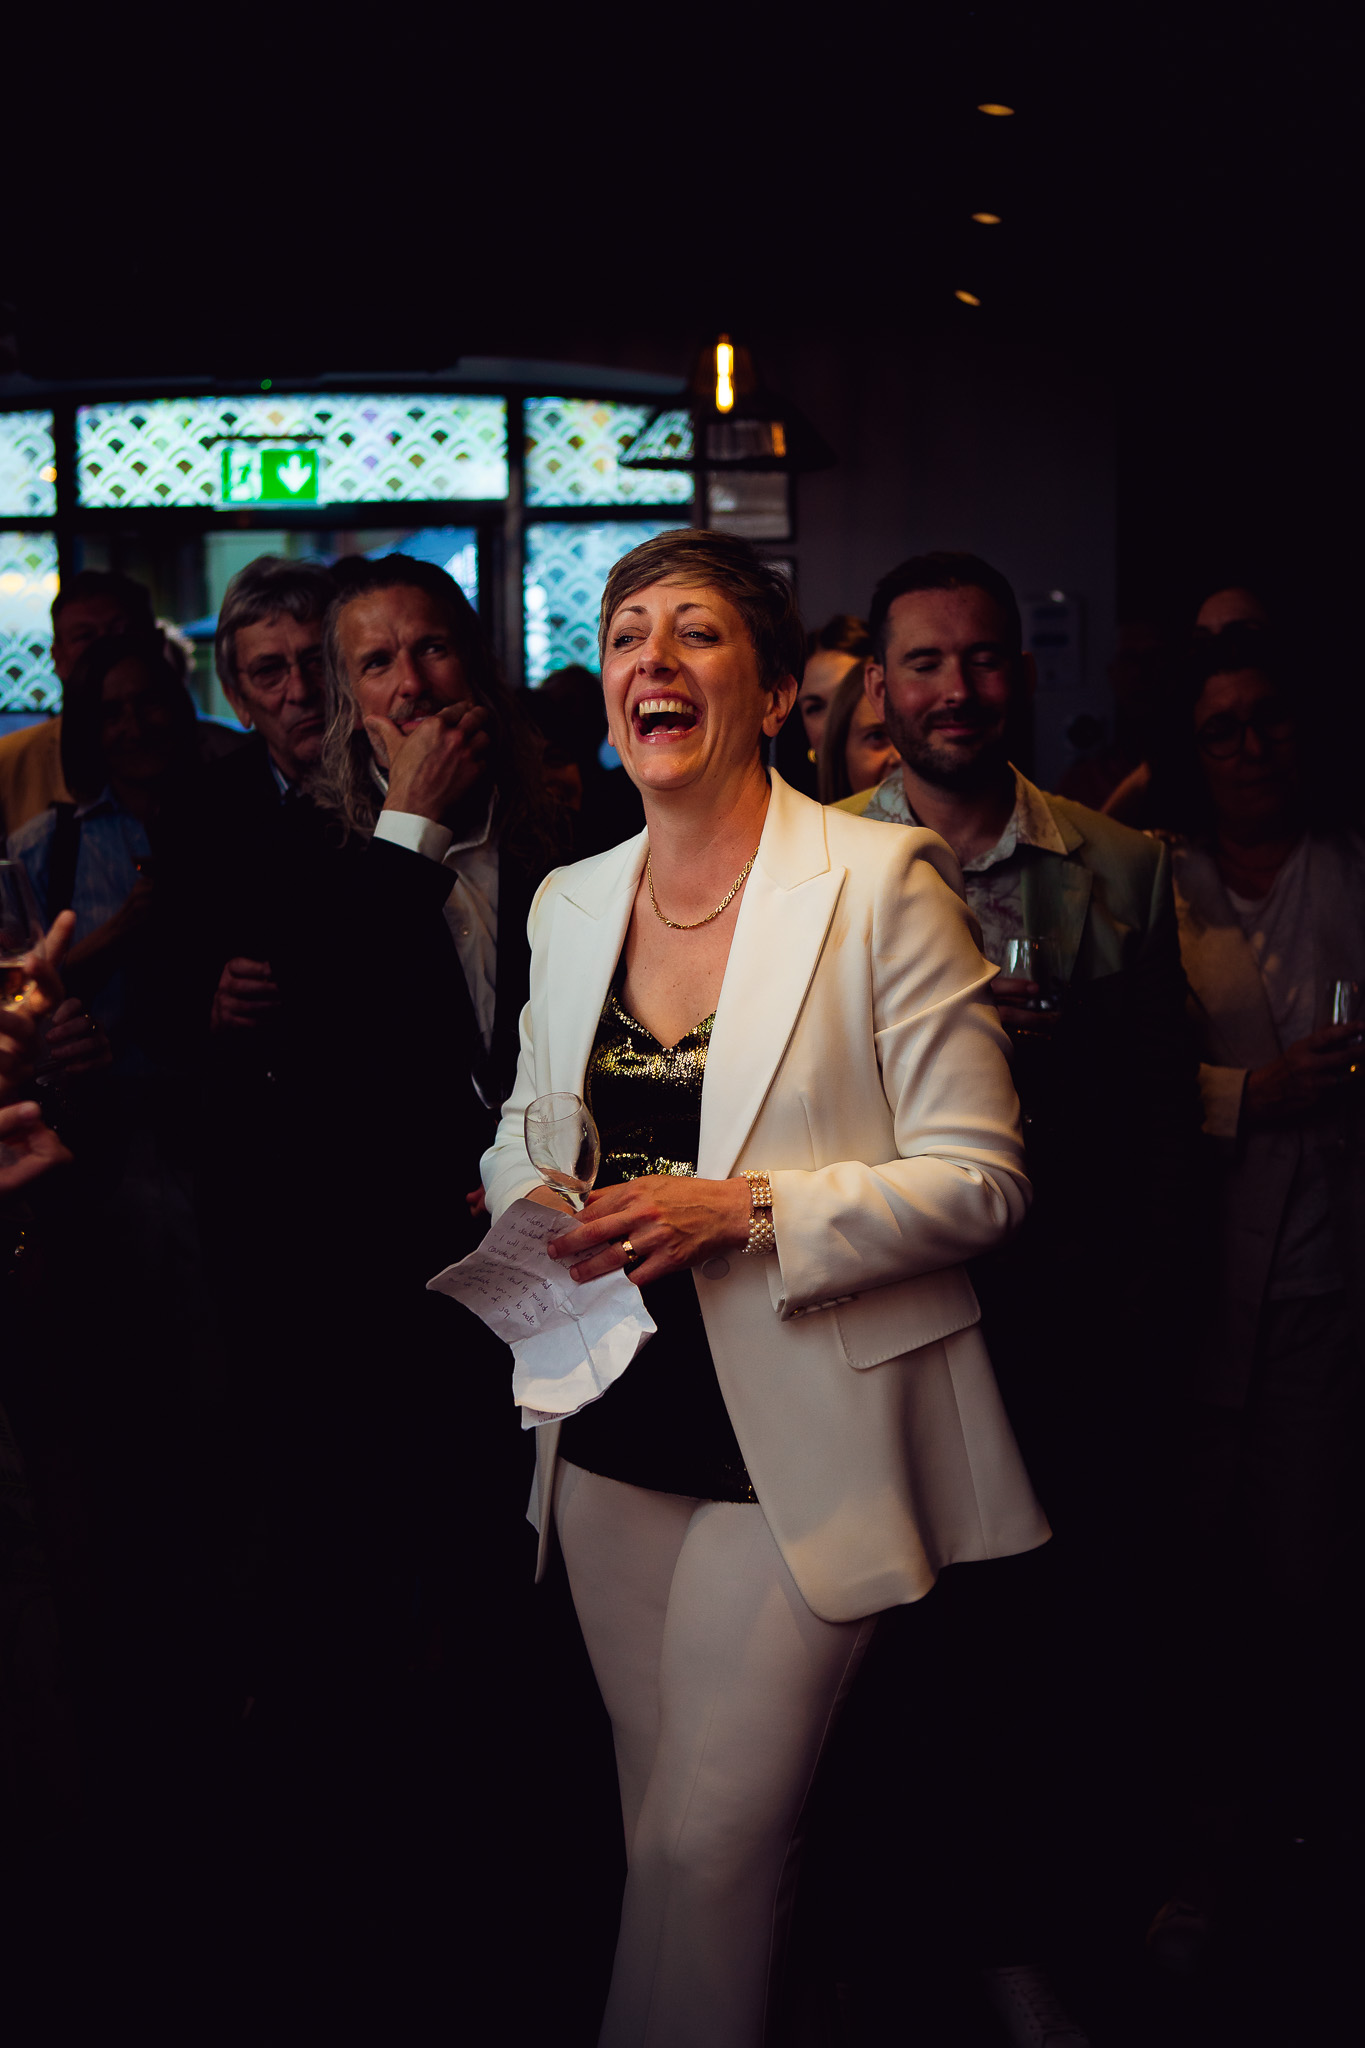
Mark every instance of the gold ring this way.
pixel 627 1247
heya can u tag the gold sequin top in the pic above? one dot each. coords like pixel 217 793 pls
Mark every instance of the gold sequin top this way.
pixel 664 1423
pixel 645 1097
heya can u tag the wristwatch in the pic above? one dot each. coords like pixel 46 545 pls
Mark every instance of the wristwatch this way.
pixel 761 1239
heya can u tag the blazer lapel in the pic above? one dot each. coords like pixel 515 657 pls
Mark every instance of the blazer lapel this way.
pixel 1055 899
pixel 586 937
pixel 780 931
pixel 1055 895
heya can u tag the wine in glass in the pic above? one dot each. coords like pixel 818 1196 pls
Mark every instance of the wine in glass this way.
pixel 563 1145
pixel 21 929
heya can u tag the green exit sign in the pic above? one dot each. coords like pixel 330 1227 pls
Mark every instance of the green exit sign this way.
pixel 270 476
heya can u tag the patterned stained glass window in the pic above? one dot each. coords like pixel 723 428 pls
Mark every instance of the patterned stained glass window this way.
pixel 313 449
pixel 452 548
pixel 28 474
pixel 28 584
pixel 668 440
pixel 572 450
pixel 566 567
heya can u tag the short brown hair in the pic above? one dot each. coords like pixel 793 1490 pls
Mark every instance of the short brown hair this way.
pixel 944 570
pixel 760 593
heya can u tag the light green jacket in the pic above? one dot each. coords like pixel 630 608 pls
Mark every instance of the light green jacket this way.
pixel 1103 906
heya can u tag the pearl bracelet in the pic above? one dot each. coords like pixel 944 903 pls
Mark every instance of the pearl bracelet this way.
pixel 762 1238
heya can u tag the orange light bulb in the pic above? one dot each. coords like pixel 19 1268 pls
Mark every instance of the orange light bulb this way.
pixel 725 374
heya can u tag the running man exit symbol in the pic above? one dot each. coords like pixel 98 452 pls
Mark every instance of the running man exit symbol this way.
pixel 296 475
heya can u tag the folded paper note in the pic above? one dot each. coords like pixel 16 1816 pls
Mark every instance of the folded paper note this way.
pixel 569 1342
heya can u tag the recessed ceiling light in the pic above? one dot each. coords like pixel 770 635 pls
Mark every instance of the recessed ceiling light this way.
pixel 987 220
pixel 967 298
pixel 993 107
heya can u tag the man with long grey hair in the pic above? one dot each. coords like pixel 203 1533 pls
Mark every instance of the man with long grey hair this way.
pixel 399 966
pixel 403 971
pixel 425 755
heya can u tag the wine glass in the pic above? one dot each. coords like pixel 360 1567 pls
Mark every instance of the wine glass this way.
pixel 21 929
pixel 563 1145
pixel 1343 1002
pixel 1023 961
pixel 1344 1006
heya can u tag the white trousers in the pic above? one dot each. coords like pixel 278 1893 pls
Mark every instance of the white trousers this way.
pixel 722 1687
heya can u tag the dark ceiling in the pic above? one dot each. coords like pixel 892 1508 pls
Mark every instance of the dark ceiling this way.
pixel 317 196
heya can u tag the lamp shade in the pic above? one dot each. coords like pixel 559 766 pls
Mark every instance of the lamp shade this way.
pixel 756 430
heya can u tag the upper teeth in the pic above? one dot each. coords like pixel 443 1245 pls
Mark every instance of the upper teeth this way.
pixel 651 704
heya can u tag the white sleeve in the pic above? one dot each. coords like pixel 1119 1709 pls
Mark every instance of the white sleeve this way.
pixel 958 1185
pixel 419 835
pixel 1222 1089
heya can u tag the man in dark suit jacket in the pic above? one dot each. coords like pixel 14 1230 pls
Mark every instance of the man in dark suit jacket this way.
pixel 408 954
pixel 402 967
pixel 360 966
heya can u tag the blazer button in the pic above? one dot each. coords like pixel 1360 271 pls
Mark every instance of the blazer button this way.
pixel 716 1269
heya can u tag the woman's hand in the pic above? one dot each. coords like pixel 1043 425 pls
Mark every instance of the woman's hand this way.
pixel 1303 1078
pixel 671 1220
pixel 27 1147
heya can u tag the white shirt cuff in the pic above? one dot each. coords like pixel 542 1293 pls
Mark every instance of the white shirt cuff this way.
pixel 419 835
pixel 1222 1089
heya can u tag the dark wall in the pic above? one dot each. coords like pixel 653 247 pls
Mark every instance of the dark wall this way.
pixel 955 443
pixel 961 439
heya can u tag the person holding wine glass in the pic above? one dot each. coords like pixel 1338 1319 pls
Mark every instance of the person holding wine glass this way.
pixel 779 1018
pixel 1270 894
pixel 31 1000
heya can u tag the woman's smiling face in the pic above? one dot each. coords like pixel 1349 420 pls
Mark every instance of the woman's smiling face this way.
pixel 681 681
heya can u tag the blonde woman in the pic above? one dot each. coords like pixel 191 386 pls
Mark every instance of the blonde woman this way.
pixel 780 1018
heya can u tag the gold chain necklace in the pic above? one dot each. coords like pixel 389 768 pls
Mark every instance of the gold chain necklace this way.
pixel 724 903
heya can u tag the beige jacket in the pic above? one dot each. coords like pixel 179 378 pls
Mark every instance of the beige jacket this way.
pixel 30 774
pixel 854 1059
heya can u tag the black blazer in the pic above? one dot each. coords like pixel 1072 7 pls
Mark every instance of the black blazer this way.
pixel 374 1075
pixel 391 1095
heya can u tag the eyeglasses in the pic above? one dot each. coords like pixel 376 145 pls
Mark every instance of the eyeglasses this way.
pixel 1224 735
pixel 274 670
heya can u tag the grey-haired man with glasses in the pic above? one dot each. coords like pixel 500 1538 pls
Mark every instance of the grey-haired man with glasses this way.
pixel 269 657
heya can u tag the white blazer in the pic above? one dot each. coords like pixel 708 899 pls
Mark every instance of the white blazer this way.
pixel 855 1059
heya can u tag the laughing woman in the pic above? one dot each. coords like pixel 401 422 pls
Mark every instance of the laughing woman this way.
pixel 779 1017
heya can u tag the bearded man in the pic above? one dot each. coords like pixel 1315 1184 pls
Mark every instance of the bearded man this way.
pixel 1087 1312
